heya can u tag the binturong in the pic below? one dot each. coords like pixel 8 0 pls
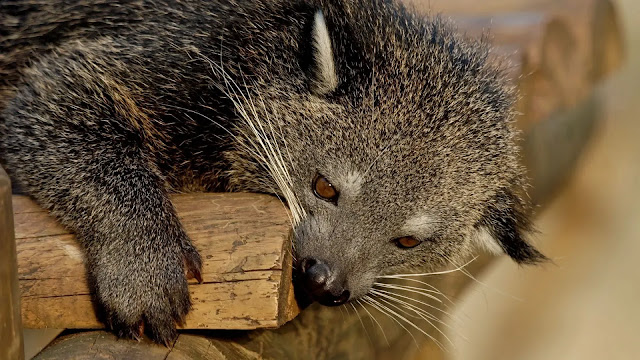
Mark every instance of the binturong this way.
pixel 388 135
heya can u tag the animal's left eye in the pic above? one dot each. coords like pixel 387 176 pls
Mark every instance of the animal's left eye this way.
pixel 324 190
pixel 406 242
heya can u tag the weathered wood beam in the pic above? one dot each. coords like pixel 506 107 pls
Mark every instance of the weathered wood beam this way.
pixel 243 240
pixel 11 346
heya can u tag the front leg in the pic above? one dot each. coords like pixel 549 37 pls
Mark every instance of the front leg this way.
pixel 74 138
pixel 136 250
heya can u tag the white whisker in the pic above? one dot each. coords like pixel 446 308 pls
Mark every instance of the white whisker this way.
pixel 384 310
pixel 413 289
pixel 342 313
pixel 397 307
pixel 400 276
pixel 470 276
pixel 434 289
pixel 404 319
pixel 375 320
pixel 389 293
pixel 361 322
pixel 263 140
pixel 425 315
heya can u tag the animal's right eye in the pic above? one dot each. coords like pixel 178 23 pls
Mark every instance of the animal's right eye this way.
pixel 324 190
pixel 407 242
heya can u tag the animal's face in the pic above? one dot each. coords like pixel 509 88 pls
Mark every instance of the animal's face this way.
pixel 402 199
pixel 402 166
pixel 363 222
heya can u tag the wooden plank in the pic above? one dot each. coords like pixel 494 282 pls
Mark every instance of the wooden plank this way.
pixel 243 241
pixel 11 345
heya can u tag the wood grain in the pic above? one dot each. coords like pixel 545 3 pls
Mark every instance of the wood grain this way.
pixel 243 240
pixel 11 344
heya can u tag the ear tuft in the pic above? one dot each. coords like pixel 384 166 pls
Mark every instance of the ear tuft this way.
pixel 324 79
pixel 504 226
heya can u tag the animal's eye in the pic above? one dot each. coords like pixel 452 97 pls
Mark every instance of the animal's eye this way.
pixel 406 242
pixel 324 190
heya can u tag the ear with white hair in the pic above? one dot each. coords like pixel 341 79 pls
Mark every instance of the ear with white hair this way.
pixel 503 229
pixel 323 70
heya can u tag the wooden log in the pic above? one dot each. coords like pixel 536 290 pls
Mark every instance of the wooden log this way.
pixel 243 240
pixel 11 345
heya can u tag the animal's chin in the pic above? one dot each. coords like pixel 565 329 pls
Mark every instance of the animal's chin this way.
pixel 305 299
pixel 334 301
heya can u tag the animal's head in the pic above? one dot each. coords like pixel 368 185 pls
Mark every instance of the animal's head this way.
pixel 402 154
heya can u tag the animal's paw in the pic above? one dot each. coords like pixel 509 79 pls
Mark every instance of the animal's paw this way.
pixel 147 292
pixel 192 262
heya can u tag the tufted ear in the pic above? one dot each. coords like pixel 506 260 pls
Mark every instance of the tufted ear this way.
pixel 323 71
pixel 503 229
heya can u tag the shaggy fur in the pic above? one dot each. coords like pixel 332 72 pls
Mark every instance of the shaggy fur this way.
pixel 107 106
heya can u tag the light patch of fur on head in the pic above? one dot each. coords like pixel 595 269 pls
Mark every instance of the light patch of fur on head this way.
pixel 325 71
pixel 483 239
pixel 422 226
pixel 351 183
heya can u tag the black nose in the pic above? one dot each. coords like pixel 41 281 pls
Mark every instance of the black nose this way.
pixel 315 280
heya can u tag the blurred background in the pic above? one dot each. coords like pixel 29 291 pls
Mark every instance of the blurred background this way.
pixel 586 305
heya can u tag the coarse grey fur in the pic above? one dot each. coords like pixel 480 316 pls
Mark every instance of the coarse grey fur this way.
pixel 108 106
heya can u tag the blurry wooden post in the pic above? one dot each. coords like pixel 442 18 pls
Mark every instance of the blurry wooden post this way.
pixel 558 52
pixel 10 324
